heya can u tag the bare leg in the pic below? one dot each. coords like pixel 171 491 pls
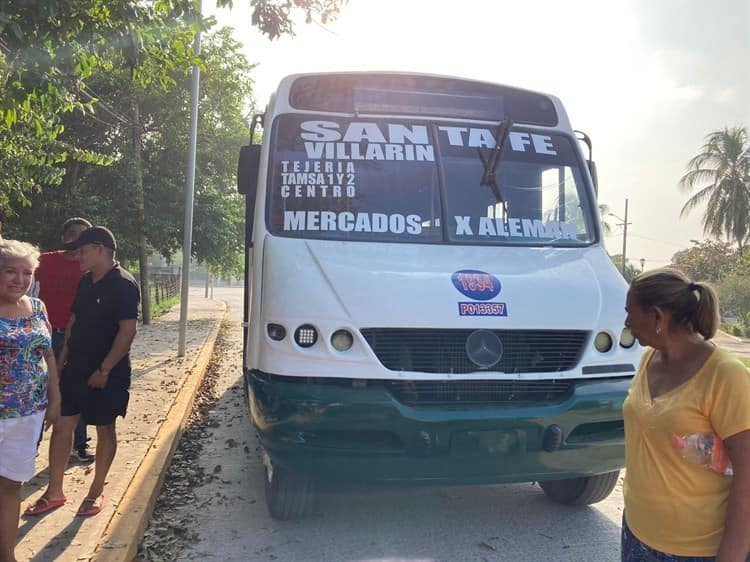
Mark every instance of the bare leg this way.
pixel 106 447
pixel 10 506
pixel 59 452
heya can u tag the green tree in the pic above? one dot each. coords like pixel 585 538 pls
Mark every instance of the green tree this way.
pixel 734 289
pixel 734 294
pixel 106 195
pixel 708 260
pixel 630 270
pixel 721 173
pixel 226 90
pixel 275 17
pixel 50 48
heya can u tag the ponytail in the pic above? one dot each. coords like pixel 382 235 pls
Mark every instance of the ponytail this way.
pixel 705 319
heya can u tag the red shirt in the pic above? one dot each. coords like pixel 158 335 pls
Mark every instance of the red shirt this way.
pixel 58 280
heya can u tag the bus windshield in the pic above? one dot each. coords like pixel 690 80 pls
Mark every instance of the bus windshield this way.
pixel 404 180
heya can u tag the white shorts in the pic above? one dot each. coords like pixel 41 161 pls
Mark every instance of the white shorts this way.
pixel 18 438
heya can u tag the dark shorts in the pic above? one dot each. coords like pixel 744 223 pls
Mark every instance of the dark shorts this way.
pixel 96 406
pixel 633 550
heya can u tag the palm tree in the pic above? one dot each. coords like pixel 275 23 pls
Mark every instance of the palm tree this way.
pixel 603 212
pixel 722 174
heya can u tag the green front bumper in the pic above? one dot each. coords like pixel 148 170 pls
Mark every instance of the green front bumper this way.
pixel 348 432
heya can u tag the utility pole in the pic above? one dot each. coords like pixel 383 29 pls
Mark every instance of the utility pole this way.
pixel 625 237
pixel 624 224
pixel 187 242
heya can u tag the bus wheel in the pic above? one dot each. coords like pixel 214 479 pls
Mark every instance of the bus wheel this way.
pixel 581 491
pixel 288 495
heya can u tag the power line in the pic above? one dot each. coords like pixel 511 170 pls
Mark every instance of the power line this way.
pixel 681 246
pixel 667 242
pixel 92 95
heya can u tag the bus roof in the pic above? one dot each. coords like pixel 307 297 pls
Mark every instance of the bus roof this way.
pixel 416 95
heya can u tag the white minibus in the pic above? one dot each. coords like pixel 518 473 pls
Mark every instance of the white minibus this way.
pixel 428 297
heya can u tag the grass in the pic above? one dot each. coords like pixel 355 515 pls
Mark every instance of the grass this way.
pixel 746 361
pixel 164 306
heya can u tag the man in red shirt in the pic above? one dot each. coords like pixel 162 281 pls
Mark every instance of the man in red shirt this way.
pixel 58 276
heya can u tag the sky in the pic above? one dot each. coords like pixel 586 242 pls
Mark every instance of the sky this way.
pixel 646 80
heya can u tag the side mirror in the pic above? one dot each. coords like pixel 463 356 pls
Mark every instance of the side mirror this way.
pixel 247 169
pixel 594 178
pixel 584 138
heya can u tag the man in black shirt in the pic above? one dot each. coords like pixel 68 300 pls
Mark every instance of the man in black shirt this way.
pixel 95 365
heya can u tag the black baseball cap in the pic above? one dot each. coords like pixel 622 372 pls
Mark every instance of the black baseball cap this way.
pixel 94 235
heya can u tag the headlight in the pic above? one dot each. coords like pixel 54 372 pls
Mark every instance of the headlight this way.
pixel 306 335
pixel 342 340
pixel 627 339
pixel 603 342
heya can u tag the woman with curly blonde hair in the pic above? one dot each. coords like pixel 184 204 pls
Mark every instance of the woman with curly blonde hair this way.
pixel 29 387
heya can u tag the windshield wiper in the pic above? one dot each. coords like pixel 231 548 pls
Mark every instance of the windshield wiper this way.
pixel 492 162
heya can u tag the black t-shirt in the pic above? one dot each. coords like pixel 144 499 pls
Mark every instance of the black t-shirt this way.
pixel 98 309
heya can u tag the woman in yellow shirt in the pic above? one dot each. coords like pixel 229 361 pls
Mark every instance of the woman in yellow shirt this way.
pixel 676 510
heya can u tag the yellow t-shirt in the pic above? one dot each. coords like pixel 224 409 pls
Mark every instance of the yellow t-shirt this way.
pixel 673 505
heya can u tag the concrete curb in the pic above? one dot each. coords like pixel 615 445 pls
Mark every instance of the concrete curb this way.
pixel 119 542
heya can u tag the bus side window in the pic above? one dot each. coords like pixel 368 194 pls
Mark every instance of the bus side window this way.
pixel 247 170
pixel 247 183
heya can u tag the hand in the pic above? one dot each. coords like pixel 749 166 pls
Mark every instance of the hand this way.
pixel 62 359
pixel 53 412
pixel 98 379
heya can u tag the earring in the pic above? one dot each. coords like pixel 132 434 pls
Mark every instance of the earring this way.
pixel 658 330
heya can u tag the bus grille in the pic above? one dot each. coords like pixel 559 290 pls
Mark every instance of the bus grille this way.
pixel 444 351
pixel 511 393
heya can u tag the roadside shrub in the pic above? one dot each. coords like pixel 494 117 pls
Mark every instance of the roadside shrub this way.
pixel 736 330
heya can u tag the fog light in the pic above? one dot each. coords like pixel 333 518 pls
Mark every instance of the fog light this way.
pixel 276 332
pixel 627 339
pixel 306 335
pixel 603 342
pixel 342 340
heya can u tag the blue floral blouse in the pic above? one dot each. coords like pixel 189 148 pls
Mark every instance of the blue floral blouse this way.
pixel 23 371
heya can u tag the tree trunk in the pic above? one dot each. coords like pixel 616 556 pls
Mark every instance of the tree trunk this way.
pixel 140 217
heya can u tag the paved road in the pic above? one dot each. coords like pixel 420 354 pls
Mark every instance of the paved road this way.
pixel 225 517
pixel 733 344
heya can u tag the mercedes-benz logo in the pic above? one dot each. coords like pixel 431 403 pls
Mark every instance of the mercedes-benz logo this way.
pixel 484 348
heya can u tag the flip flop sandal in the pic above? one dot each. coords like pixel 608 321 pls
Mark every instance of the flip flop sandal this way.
pixel 43 505
pixel 90 506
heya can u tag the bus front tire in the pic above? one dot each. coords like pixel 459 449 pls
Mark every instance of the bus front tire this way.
pixel 581 491
pixel 289 496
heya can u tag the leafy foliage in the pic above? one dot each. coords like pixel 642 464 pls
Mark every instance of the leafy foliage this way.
pixel 708 260
pixel 630 270
pixel 106 195
pixel 48 50
pixel 275 17
pixel 71 73
pixel 734 289
pixel 721 172
pixel 734 295
pixel 724 266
